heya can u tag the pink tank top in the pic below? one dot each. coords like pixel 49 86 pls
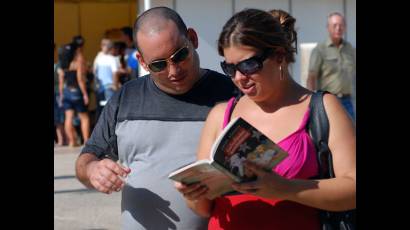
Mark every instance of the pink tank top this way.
pixel 245 211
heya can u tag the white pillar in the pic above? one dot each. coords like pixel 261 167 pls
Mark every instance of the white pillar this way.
pixel 305 51
pixel 146 6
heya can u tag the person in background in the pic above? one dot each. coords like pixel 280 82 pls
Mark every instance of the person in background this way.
pixel 58 107
pixel 258 48
pixel 105 69
pixel 89 82
pixel 73 92
pixel 122 73
pixel 130 52
pixel 332 65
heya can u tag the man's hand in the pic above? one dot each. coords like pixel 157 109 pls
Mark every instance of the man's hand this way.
pixel 106 175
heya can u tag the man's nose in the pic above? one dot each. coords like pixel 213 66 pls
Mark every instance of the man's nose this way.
pixel 174 68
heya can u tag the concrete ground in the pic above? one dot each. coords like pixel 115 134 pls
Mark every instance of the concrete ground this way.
pixel 75 206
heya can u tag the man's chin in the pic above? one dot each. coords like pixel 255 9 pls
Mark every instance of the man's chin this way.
pixel 176 89
pixel 181 89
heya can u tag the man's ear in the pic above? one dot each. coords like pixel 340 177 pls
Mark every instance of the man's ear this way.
pixel 193 37
pixel 141 61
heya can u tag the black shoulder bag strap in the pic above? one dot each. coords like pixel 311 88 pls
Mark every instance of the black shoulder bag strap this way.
pixel 319 130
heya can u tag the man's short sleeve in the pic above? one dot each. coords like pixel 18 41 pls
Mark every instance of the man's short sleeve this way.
pixel 315 61
pixel 103 141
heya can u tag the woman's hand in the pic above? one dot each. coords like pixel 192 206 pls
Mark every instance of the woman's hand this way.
pixel 85 98
pixel 268 185
pixel 192 192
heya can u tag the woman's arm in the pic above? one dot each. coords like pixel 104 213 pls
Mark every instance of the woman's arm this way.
pixel 195 195
pixel 81 75
pixel 334 194
pixel 60 73
pixel 337 193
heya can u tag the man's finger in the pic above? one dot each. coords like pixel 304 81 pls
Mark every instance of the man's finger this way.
pixel 116 168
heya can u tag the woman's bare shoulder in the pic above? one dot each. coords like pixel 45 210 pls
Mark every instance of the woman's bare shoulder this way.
pixel 217 112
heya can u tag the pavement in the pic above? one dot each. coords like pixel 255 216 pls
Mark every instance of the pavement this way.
pixel 75 206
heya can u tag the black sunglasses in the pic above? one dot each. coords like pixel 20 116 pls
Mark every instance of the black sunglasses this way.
pixel 179 56
pixel 246 67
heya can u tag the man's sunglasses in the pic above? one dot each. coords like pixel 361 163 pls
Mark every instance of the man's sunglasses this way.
pixel 179 56
pixel 246 67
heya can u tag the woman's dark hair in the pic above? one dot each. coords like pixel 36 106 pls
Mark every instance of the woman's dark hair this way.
pixel 261 30
pixel 288 26
pixel 78 40
pixel 66 54
pixel 121 46
pixel 127 30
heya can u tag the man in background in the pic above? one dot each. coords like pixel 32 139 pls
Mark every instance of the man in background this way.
pixel 332 65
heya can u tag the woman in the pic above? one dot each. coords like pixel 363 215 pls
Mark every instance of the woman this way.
pixel 73 91
pixel 258 48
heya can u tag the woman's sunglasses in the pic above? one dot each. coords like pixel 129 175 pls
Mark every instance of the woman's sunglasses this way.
pixel 179 56
pixel 246 67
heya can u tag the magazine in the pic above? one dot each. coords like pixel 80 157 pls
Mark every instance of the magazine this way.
pixel 239 141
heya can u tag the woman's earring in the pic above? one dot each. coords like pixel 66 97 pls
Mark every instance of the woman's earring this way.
pixel 281 72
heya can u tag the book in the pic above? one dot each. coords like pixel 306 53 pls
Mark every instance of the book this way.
pixel 239 141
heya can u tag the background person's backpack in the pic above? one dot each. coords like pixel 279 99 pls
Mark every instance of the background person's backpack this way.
pixel 318 128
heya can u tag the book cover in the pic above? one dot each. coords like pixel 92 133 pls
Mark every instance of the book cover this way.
pixel 239 141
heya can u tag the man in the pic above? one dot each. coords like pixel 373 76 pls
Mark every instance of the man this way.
pixel 153 126
pixel 332 64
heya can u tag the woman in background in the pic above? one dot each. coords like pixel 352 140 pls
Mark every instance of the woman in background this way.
pixel 73 91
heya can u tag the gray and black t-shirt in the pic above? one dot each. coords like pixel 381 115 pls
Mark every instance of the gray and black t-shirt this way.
pixel 156 133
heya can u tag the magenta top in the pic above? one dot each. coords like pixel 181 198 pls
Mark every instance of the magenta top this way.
pixel 246 211
pixel 301 162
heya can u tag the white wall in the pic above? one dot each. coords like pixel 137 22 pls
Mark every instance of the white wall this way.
pixel 208 17
pixel 351 21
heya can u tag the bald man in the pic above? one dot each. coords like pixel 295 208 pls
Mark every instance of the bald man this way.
pixel 332 65
pixel 152 126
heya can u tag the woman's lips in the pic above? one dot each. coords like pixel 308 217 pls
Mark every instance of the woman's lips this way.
pixel 248 89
